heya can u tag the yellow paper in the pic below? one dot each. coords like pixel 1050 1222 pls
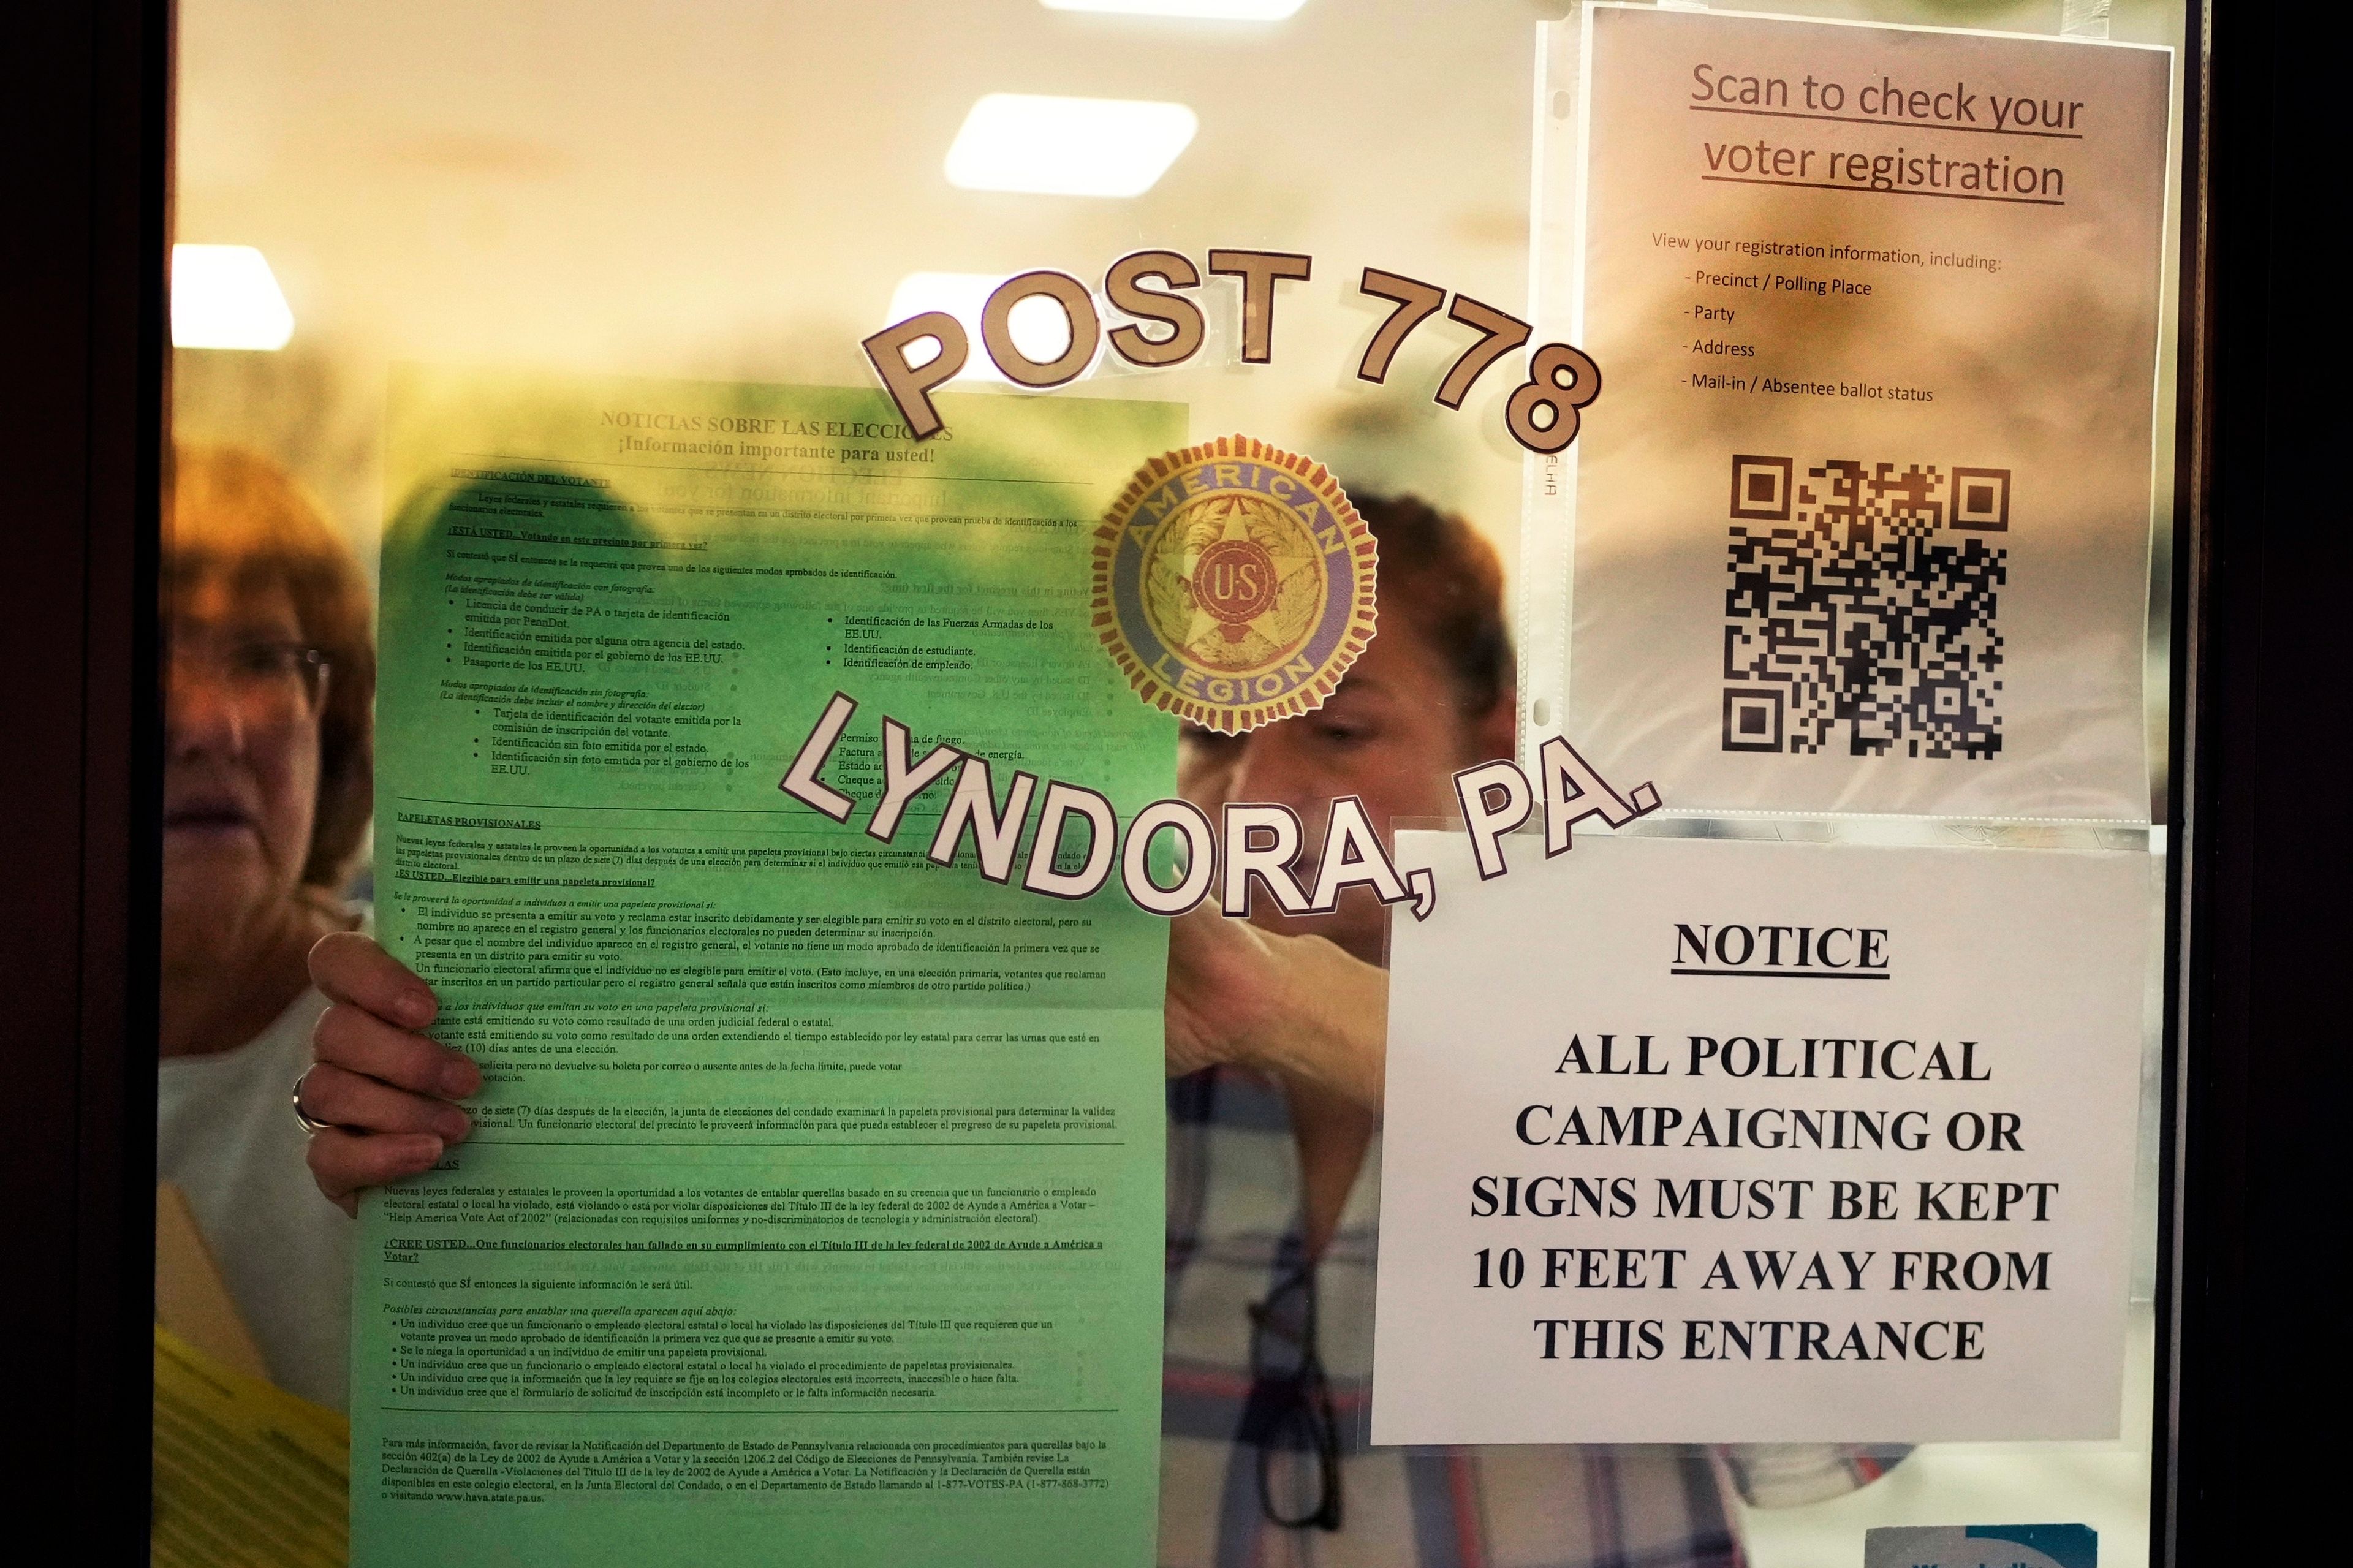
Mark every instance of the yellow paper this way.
pixel 244 1472
pixel 192 1299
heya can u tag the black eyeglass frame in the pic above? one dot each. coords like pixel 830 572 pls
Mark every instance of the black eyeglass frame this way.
pixel 1308 1392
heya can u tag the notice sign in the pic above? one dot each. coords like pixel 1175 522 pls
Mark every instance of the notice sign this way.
pixel 1717 1142
pixel 1860 520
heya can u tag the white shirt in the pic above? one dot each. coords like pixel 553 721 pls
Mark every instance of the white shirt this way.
pixel 225 1135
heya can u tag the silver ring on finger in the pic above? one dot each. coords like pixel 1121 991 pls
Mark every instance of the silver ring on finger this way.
pixel 311 1125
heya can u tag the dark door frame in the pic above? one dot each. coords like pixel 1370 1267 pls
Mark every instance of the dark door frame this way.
pixel 85 95
pixel 2248 1328
pixel 2249 1333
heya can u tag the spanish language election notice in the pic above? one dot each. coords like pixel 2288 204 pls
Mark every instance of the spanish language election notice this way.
pixel 815 1191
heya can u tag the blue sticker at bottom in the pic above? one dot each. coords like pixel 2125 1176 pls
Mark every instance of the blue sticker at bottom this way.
pixel 1982 1546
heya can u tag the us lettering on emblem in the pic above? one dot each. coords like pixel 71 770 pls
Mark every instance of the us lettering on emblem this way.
pixel 1233 583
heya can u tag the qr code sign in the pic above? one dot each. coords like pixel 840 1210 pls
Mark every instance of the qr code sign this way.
pixel 1863 601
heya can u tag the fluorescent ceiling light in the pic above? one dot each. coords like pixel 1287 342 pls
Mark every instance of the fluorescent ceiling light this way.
pixel 1038 327
pixel 1190 10
pixel 1068 146
pixel 225 296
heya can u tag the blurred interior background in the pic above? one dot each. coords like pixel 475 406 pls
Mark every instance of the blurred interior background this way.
pixel 740 188
pixel 744 189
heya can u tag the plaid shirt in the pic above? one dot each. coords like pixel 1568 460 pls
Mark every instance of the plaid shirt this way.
pixel 1233 1237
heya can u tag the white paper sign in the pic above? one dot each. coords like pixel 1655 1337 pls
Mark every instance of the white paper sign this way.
pixel 1736 1141
pixel 1860 520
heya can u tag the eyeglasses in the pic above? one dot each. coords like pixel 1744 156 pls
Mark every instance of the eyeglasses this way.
pixel 1290 1415
pixel 269 683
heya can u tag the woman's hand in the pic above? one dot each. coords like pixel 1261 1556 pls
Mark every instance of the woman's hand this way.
pixel 1225 985
pixel 1295 1007
pixel 387 1087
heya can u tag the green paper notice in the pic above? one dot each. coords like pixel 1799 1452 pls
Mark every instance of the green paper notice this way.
pixel 814 1208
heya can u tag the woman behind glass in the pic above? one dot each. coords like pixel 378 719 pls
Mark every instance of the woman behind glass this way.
pixel 267 793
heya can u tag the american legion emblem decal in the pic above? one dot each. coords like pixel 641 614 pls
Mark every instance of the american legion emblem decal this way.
pixel 1233 583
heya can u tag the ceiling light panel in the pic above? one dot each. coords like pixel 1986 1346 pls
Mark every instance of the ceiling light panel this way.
pixel 1068 146
pixel 1186 10
pixel 226 297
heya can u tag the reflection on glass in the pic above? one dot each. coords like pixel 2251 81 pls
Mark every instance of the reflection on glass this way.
pixel 745 194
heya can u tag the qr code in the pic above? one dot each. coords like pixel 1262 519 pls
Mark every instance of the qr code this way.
pixel 1865 604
